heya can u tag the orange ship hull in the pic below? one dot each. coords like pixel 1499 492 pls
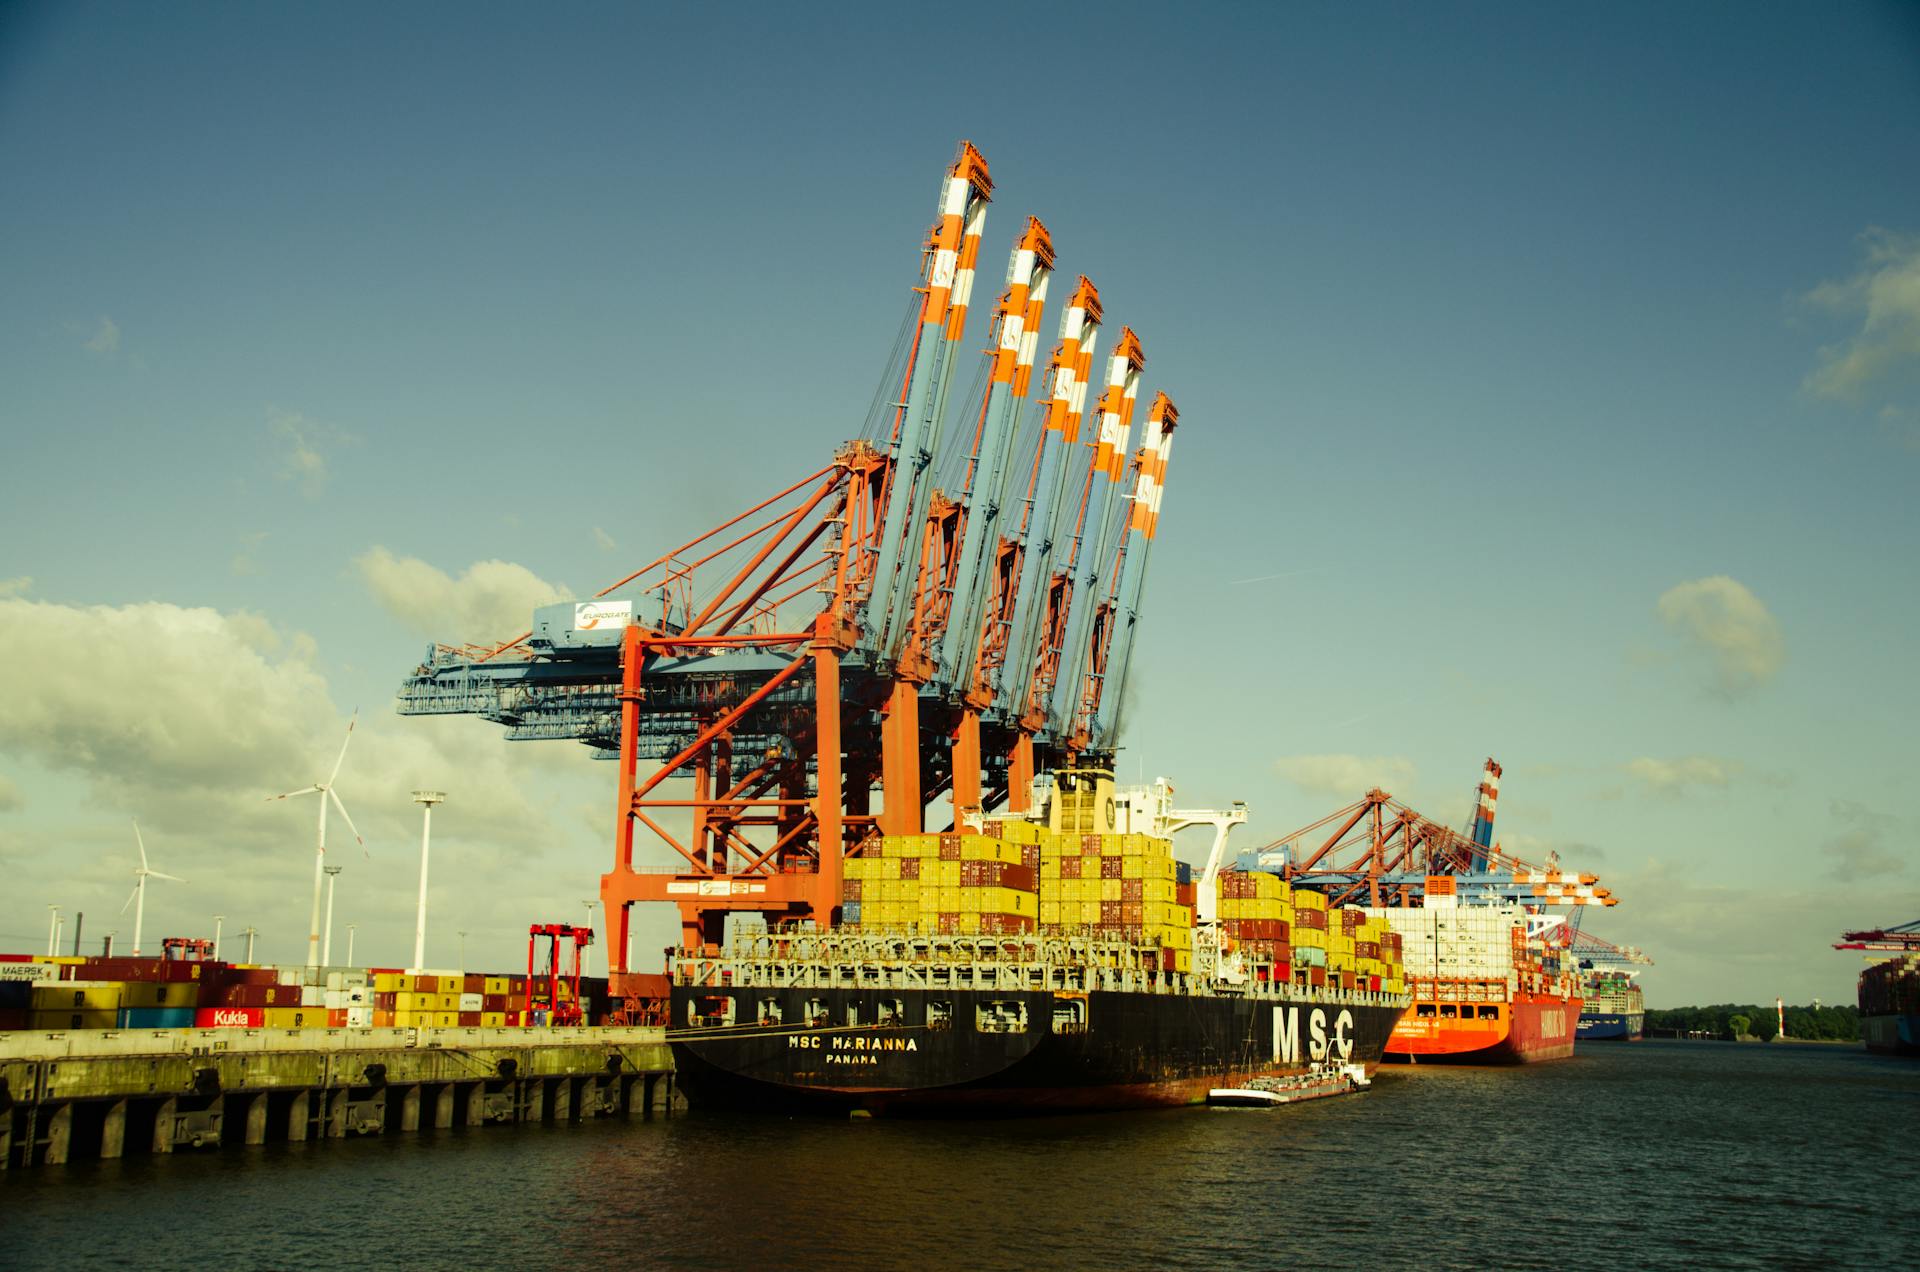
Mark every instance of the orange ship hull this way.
pixel 1529 1028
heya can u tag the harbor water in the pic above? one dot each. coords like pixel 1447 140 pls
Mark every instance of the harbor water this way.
pixel 1650 1154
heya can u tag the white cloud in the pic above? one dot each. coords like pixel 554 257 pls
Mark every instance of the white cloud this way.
pixel 301 461
pixel 604 539
pixel 1675 777
pixel 1861 850
pixel 190 718
pixel 19 585
pixel 105 338
pixel 1730 627
pixel 491 600
pixel 1885 294
pixel 1733 938
pixel 1349 776
pixel 11 800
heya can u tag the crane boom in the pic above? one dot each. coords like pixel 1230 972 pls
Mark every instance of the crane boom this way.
pixel 1079 328
pixel 1150 477
pixel 952 251
pixel 1124 366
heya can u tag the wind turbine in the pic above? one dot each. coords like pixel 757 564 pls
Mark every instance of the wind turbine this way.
pixel 138 898
pixel 326 792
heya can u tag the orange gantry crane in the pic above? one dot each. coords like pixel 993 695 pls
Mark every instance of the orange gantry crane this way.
pixel 934 617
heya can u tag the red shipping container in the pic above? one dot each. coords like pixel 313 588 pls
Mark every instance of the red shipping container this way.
pixel 240 996
pixel 383 1002
pixel 1317 977
pixel 493 1002
pixel 947 924
pixel 910 867
pixel 850 890
pixel 1183 894
pixel 1021 878
pixel 426 984
pixel 474 983
pixel 1070 867
pixel 469 1018
pixel 1089 845
pixel 1110 914
pixel 1132 889
pixel 1132 913
pixel 949 851
pixel 1111 867
pixel 336 1017
pixel 1030 858
pixel 227 1018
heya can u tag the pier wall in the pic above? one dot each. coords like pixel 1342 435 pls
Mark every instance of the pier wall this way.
pixel 90 1093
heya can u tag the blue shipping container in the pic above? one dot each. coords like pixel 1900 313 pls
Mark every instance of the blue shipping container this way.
pixel 156 1018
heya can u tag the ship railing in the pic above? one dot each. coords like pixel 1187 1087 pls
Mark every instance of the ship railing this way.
pixel 839 959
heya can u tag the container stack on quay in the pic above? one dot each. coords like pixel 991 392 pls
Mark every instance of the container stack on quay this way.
pixel 40 993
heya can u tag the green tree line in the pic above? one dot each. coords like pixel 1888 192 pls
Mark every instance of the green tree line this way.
pixel 1760 1021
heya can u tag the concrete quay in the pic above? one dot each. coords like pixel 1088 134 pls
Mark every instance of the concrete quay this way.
pixel 104 1093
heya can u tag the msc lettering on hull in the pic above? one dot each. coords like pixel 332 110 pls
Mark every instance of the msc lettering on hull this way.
pixel 1286 1035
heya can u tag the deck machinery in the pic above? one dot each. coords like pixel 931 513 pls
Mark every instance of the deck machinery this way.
pixel 944 610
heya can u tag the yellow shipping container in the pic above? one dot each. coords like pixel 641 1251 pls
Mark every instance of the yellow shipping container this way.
pixel 1308 899
pixel 1112 889
pixel 77 996
pixel 386 982
pixel 493 1019
pixel 1050 913
pixel 159 994
pixel 72 1018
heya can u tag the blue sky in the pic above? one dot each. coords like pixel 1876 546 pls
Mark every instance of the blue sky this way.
pixel 326 331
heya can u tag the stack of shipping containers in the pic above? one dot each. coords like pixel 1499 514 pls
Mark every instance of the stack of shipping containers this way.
pixel 124 993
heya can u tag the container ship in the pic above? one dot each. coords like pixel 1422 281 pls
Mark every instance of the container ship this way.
pixel 1890 1006
pixel 1614 1010
pixel 1035 967
pixel 1486 987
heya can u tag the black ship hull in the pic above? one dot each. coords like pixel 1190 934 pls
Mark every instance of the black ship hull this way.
pixel 933 1052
